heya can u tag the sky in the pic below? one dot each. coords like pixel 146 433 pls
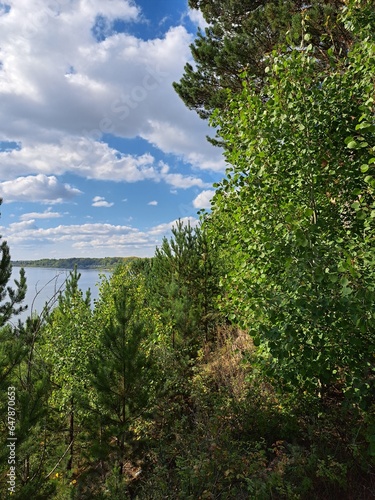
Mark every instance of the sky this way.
pixel 98 155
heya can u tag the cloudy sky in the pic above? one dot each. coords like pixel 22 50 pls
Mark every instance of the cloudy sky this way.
pixel 98 154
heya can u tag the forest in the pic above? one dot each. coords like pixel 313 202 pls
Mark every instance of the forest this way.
pixel 70 263
pixel 239 361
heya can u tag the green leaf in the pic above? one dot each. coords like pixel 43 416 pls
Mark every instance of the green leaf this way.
pixel 333 278
pixel 356 205
pixel 344 281
pixel 364 125
pixel 256 341
pixel 348 140
pixel 346 291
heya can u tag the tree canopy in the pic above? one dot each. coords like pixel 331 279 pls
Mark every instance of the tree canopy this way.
pixel 238 362
pixel 297 209
pixel 241 34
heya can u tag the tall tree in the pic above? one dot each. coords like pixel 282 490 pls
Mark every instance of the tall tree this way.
pixel 121 371
pixel 27 376
pixel 35 440
pixel 240 36
pixel 298 207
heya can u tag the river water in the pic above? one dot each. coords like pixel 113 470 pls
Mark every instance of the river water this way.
pixel 43 285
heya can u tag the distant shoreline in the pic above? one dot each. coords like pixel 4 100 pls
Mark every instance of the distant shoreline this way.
pixel 80 262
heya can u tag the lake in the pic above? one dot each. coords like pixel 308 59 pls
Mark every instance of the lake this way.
pixel 44 283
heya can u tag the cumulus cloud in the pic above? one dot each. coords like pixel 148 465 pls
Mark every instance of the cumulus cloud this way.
pixel 152 203
pixel 47 214
pixel 22 227
pixel 197 18
pixel 83 239
pixel 178 180
pixel 99 201
pixel 79 156
pixel 92 160
pixel 203 200
pixel 70 238
pixel 68 82
pixel 58 80
pixel 37 188
pixel 175 137
pixel 165 228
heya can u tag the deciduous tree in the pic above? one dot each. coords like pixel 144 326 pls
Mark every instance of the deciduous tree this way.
pixel 298 206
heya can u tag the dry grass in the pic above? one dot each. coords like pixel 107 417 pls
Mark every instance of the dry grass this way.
pixel 225 361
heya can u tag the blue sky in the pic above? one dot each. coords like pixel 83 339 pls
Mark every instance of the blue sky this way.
pixel 98 155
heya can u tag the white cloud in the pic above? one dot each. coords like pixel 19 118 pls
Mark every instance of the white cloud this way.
pixel 153 203
pixel 57 81
pixel 84 239
pixel 178 180
pixel 22 227
pixel 47 214
pixel 163 229
pixel 61 90
pixel 184 182
pixel 90 159
pixel 197 18
pixel 176 138
pixel 86 158
pixel 203 200
pixel 112 9
pixel 99 201
pixel 76 239
pixel 38 188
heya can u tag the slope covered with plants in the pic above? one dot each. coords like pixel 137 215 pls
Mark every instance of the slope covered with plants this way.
pixel 238 362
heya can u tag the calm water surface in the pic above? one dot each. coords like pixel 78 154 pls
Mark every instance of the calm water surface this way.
pixel 44 283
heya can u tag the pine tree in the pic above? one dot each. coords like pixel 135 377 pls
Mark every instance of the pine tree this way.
pixel 184 282
pixel 10 299
pixel 24 373
pixel 35 441
pixel 241 35
pixel 120 372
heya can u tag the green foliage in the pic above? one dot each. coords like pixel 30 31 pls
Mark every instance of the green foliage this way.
pixel 157 393
pixel 80 262
pixel 120 368
pixel 28 374
pixel 69 340
pixel 297 207
pixel 12 297
pixel 121 373
pixel 241 35
pixel 183 281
